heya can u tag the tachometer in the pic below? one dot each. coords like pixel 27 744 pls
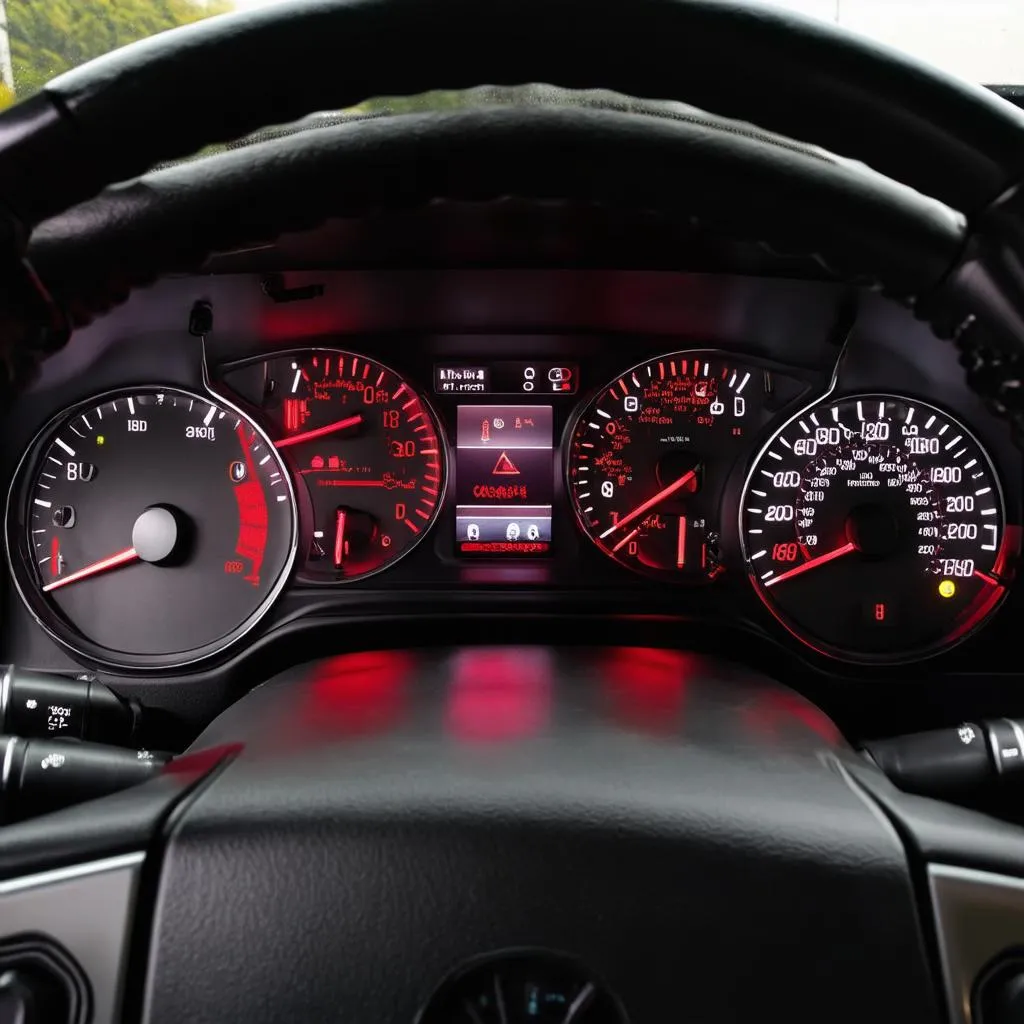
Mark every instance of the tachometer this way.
pixel 873 527
pixel 649 457
pixel 151 527
pixel 367 448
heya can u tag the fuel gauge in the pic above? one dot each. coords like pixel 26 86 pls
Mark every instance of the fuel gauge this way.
pixel 679 543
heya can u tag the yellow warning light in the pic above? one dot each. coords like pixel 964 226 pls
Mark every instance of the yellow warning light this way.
pixel 947 588
pixel 100 439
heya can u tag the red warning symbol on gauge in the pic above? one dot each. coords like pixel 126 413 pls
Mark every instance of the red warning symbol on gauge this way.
pixel 505 466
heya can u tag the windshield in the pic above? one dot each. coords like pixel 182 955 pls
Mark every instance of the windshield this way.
pixel 980 40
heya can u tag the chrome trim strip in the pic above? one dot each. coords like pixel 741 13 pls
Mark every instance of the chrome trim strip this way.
pixel 5 772
pixel 993 746
pixel 58 875
pixel 5 694
pixel 1018 734
pixel 978 916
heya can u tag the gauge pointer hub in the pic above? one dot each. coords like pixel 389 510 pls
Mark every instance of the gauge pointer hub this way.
pixel 873 530
pixel 157 535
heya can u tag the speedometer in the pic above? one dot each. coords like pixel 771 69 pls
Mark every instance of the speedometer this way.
pixel 873 527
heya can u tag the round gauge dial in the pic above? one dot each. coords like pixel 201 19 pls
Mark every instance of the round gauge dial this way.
pixel 873 527
pixel 151 527
pixel 649 457
pixel 368 452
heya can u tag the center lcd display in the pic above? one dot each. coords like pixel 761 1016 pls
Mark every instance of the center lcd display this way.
pixel 504 479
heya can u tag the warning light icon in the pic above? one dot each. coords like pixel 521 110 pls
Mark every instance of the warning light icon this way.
pixel 505 466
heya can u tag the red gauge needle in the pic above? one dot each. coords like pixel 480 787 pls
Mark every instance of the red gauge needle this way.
pixel 105 564
pixel 829 556
pixel 331 428
pixel 339 537
pixel 625 540
pixel 651 502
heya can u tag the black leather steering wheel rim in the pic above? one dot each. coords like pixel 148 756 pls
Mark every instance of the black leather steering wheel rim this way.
pixel 861 226
pixel 172 94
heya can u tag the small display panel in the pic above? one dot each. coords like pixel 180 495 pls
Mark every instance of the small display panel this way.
pixel 506 378
pixel 504 479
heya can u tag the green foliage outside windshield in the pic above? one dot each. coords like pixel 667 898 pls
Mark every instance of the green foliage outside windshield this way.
pixel 49 37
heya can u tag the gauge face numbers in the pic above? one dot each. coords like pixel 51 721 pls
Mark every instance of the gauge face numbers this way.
pixel 873 527
pixel 649 456
pixel 152 524
pixel 367 451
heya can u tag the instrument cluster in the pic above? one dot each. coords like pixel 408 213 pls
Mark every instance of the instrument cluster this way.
pixel 154 526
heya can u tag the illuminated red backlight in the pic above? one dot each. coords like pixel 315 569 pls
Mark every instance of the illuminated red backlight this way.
pixel 286 324
pixel 499 695
pixel 251 544
pixel 359 694
pixel 646 686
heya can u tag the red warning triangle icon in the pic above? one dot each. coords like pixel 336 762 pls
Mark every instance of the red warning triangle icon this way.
pixel 505 467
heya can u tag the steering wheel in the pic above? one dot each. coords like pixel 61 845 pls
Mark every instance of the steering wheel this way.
pixel 708 864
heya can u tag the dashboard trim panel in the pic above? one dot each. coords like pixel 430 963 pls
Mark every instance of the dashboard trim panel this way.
pixel 88 909
pixel 979 916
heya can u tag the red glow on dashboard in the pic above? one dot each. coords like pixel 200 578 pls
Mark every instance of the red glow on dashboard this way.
pixel 770 714
pixel 647 686
pixel 359 693
pixel 280 324
pixel 499 695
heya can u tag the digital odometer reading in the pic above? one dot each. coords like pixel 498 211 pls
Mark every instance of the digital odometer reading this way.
pixel 873 527
pixel 155 527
